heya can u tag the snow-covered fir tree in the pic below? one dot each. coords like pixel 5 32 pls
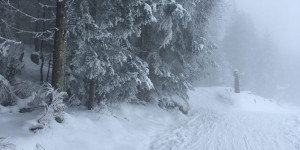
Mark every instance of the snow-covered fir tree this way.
pixel 176 50
pixel 101 60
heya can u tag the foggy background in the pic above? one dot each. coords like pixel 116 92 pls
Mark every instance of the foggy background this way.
pixel 260 38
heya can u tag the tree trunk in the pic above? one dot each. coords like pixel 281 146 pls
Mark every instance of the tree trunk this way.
pixel 101 99
pixel 37 42
pixel 58 71
pixel 91 94
pixel 41 49
pixel 48 72
pixel 42 64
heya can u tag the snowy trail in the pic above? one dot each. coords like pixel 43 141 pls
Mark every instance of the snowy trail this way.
pixel 218 120
pixel 230 131
pixel 229 128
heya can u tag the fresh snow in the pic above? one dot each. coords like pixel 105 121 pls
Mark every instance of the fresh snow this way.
pixel 219 119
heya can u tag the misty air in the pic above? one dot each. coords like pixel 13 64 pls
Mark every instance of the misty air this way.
pixel 149 75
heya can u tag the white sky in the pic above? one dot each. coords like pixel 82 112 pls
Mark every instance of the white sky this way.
pixel 280 17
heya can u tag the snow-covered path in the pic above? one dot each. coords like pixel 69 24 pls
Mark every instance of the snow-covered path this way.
pixel 218 120
pixel 233 128
pixel 231 131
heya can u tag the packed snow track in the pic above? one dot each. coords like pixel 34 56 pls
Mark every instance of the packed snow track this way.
pixel 234 124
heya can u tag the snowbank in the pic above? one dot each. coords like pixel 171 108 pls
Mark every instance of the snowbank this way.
pixel 128 127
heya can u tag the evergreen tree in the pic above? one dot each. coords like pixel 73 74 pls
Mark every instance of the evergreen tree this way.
pixel 176 54
pixel 103 60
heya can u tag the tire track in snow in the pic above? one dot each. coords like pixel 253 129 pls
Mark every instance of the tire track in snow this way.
pixel 294 131
pixel 209 129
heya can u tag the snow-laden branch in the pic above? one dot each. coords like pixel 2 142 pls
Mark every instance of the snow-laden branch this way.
pixel 9 40
pixel 4 46
pixel 46 6
pixel 34 19
pixel 38 34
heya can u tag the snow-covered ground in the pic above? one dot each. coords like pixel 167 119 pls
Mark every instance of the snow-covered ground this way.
pixel 219 119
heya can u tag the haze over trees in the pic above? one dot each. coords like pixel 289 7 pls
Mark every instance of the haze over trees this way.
pixel 254 55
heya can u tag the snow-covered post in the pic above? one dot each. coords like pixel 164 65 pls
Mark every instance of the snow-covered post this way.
pixel 236 81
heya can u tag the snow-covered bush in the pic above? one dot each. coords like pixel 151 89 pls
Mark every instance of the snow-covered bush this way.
pixel 171 103
pixel 55 110
pixel 11 55
pixel 24 89
pixel 11 64
pixel 7 96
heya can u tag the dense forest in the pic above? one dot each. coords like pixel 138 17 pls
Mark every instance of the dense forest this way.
pixel 98 53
